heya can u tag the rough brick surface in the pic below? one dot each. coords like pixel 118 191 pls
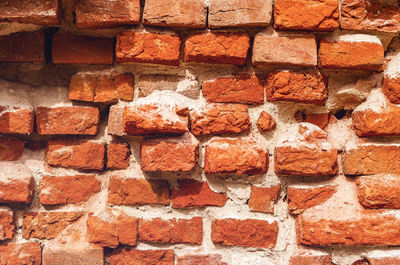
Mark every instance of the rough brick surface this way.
pixel 79 49
pixel 67 189
pixel 118 155
pixel 192 193
pixel 266 122
pixel 245 233
pixel 102 232
pixel 319 119
pixel 384 261
pixel 306 14
pixel 310 259
pixel 235 156
pixel 144 47
pixel 127 229
pixel 215 259
pixel 169 154
pixel 307 87
pixel 263 199
pixel 217 48
pixel 101 14
pixel 16 120
pixel 82 155
pixel 220 119
pixel 391 89
pixel 138 192
pixel 302 198
pixel 237 89
pixel 172 231
pixel 21 253
pixel 7 227
pixel 237 13
pixel 73 254
pixel 16 183
pixel 22 47
pixel 124 256
pixel 67 120
pixel 175 13
pixel 11 148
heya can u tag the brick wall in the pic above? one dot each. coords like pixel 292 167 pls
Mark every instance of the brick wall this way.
pixel 199 132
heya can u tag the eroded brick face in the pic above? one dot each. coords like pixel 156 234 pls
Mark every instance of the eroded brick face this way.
pixel 22 47
pixel 21 253
pixel 16 120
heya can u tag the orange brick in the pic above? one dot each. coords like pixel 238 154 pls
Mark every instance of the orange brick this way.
pixel 10 148
pixel 22 46
pixel 263 199
pixel 16 120
pixel 7 227
pixel 118 155
pixel 300 199
pixel 16 183
pixel 124 256
pixel 21 253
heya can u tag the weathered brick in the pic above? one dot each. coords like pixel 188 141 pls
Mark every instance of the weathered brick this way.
pixel 391 88
pixel 175 13
pixel 115 124
pixel 172 231
pixel 11 148
pixel 169 154
pixel 300 87
pixel 125 256
pixel 266 122
pixel 101 88
pixel 102 14
pixel 241 88
pixel 192 193
pixel 220 119
pixel 138 191
pixel 237 13
pixel 33 12
pixel 72 254
pixel 47 225
pixel 235 156
pixel 302 198
pixel 284 50
pixel 370 16
pixel 263 199
pixel 7 226
pixel 244 233
pixel 68 189
pixel 371 159
pixel 306 15
pixel 214 259
pixel 16 183
pixel 392 260
pixel 319 119
pixel 79 49
pixel 146 47
pixel 349 52
pixel 307 154
pixel 16 120
pixel 21 253
pixel 141 119
pixel 217 48
pixel 82 155
pixel 22 47
pixel 308 259
pixel 127 229
pixel 67 120
pixel 118 155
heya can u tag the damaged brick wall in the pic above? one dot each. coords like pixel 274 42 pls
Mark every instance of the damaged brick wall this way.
pixel 195 132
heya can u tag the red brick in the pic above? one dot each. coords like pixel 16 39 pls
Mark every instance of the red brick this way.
pixel 7 227
pixel 118 155
pixel 125 256
pixel 79 49
pixel 220 119
pixel 153 118
pixel 371 159
pixel 169 154
pixel 308 259
pixel 138 191
pixel 16 120
pixel 101 14
pixel 22 47
pixel 367 15
pixel 238 13
pixel 266 122
pixel 102 232
pixel 214 259
pixel 21 253
pixel 72 254
pixel 67 120
pixel 243 88
pixel 384 261
pixel 284 50
pixel 145 47
pixel 263 199
pixel 47 225
pixel 172 231
pixel 175 13
pixel 319 119
pixel 192 193
pixel 302 198
pixel 244 233
pixel 235 156
pixel 306 14
pixel 217 48
pixel 10 148
pixel 68 189
pixel 127 230
pixel 357 55
pixel 101 88
pixel 300 87
pixel 16 183
pixel 391 89
pixel 115 124
pixel 33 12
pixel 83 155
